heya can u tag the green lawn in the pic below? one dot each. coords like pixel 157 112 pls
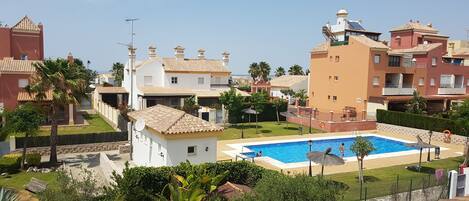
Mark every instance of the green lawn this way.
pixel 265 129
pixel 381 180
pixel 96 125
pixel 18 180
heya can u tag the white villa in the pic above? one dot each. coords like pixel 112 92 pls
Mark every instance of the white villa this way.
pixel 168 81
pixel 171 136
pixel 285 82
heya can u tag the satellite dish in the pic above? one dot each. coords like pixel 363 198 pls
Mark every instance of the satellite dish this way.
pixel 140 125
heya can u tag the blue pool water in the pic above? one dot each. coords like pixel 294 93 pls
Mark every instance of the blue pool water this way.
pixel 292 152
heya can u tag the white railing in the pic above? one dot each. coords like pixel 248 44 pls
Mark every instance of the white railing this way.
pixel 448 91
pixel 398 91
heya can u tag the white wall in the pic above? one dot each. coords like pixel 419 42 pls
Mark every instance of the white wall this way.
pixel 174 151
pixel 372 107
pixel 187 80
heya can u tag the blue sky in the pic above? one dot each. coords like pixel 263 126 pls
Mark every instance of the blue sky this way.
pixel 279 32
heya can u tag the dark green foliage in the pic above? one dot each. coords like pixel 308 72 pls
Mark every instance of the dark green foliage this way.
pixel 417 121
pixel 417 104
pixel 268 113
pixel 245 88
pixel 233 102
pixel 277 186
pixel 258 101
pixel 70 188
pixel 279 71
pixel 296 70
pixel 33 159
pixel 190 106
pixel 10 163
pixel 142 183
pixel 118 73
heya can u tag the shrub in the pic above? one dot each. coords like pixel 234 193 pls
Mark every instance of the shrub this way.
pixel 142 183
pixel 417 121
pixel 33 159
pixel 10 163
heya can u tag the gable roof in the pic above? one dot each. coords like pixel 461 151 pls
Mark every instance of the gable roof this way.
pixel 26 25
pixel 170 121
pixel 415 26
pixel 369 42
pixel 11 65
pixel 287 81
pixel 194 65
pixel 419 49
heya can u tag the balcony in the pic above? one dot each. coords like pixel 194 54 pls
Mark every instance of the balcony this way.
pixel 393 91
pixel 451 91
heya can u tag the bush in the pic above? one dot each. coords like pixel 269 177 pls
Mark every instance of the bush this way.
pixel 142 183
pixel 299 187
pixel 417 121
pixel 33 159
pixel 10 163
pixel 268 113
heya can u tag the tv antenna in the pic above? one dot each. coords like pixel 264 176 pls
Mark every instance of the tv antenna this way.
pixel 132 33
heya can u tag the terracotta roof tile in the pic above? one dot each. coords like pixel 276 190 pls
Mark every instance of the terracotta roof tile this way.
pixel 287 80
pixel 111 90
pixel 26 25
pixel 168 121
pixel 25 96
pixel 419 49
pixel 11 65
pixel 194 65
pixel 369 42
pixel 415 26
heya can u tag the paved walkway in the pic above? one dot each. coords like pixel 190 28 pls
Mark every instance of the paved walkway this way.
pixel 452 151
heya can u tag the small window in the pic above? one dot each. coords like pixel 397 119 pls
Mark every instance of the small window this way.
pixel 433 61
pixel 22 83
pixel 328 97
pixel 192 150
pixel 377 58
pixel 330 76
pixel 330 58
pixel 375 81
pixel 394 61
pixel 432 82
pixel 334 98
pixel 147 80
pixel 421 81
pixel 174 80
pixel 336 78
pixel 337 58
pixel 200 80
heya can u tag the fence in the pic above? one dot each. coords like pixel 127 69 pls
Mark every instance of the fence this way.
pixel 44 141
pixel 108 112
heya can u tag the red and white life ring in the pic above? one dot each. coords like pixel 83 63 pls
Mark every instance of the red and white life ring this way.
pixel 322 125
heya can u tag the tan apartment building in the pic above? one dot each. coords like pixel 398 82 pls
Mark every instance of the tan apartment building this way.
pixel 365 73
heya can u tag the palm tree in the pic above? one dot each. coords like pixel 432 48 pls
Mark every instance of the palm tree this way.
pixel 417 104
pixel 8 195
pixel 279 71
pixel 301 96
pixel 296 70
pixel 361 147
pixel 118 73
pixel 264 69
pixel 67 84
pixel 254 71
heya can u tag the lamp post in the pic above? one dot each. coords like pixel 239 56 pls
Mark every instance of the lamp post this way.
pixel 430 133
pixel 242 126
pixel 310 116
pixel 310 171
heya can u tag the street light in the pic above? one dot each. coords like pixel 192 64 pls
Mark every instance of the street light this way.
pixel 242 126
pixel 310 172
pixel 430 133
pixel 310 116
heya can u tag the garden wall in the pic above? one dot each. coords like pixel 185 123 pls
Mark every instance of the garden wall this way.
pixel 80 148
pixel 438 136
pixel 433 193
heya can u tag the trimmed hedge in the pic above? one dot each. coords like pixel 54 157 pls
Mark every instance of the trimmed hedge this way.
pixel 142 183
pixel 10 163
pixel 268 114
pixel 417 121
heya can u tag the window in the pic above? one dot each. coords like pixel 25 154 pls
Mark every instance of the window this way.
pixel 24 57
pixel 377 58
pixel 421 81
pixel 192 150
pixel 147 80
pixel 22 83
pixel 433 61
pixel 330 58
pixel 200 80
pixel 174 101
pixel 446 81
pixel 334 98
pixel 330 76
pixel 337 58
pixel 328 97
pixel 432 82
pixel 174 80
pixel 394 61
pixel 375 81
pixel 336 78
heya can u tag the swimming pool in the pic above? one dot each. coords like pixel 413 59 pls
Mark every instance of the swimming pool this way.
pixel 290 152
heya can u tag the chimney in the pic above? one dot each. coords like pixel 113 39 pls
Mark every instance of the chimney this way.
pixel 70 58
pixel 201 54
pixel 225 58
pixel 179 52
pixel 132 56
pixel 151 52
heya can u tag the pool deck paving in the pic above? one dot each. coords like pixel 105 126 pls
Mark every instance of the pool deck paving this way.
pixel 448 150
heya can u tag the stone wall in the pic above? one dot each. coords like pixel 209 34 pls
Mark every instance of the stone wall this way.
pixel 438 136
pixel 79 148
